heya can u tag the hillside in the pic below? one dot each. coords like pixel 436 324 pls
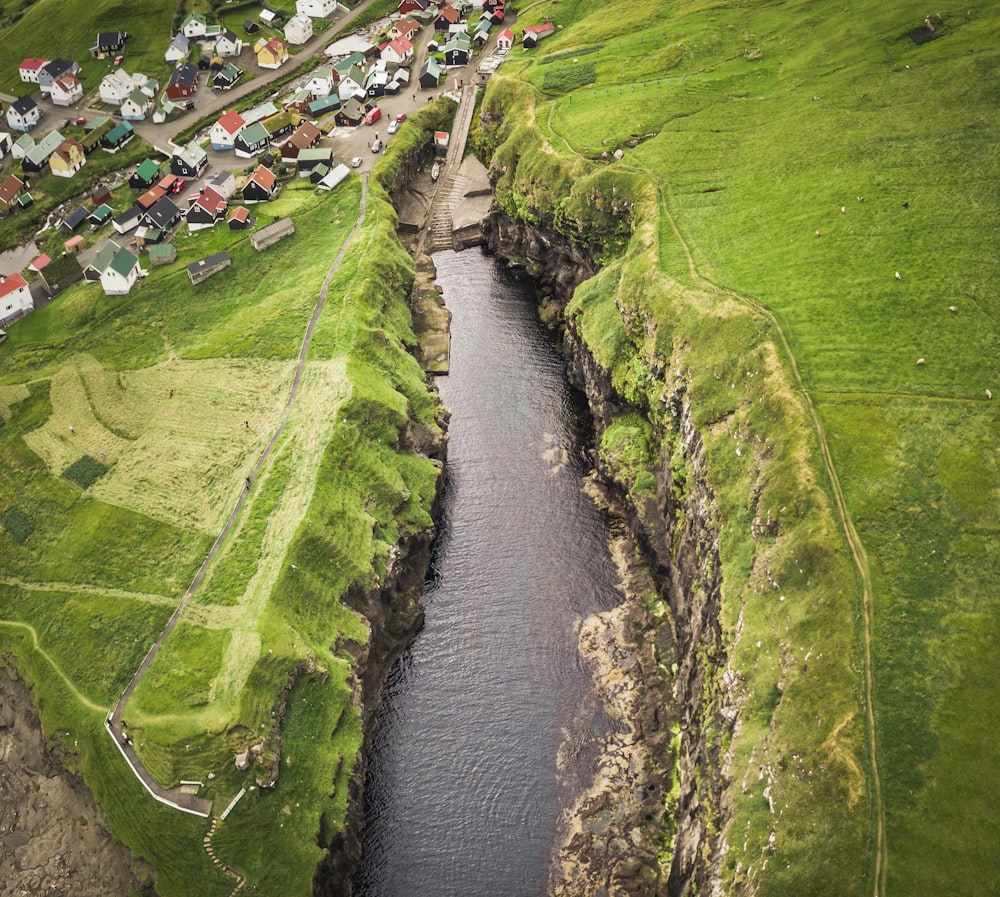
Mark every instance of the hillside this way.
pixel 806 201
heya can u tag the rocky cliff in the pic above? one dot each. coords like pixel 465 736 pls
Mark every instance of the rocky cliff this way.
pixel 674 527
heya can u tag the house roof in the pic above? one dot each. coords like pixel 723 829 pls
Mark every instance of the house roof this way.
pixel 59 66
pixel 231 121
pixel 75 218
pixel 401 46
pixel 194 17
pixel 431 67
pixel 305 135
pixel 67 82
pixel 263 177
pixel 180 43
pixel 73 241
pixel 210 201
pixel 240 213
pixel 162 213
pixel 102 212
pixel 129 218
pixel 65 149
pixel 32 65
pixel 162 250
pixel 118 133
pixel 506 34
pixel 150 197
pixel 185 75
pixel 110 39
pixel 450 15
pixel 11 283
pixel 192 155
pixel 23 105
pixel 540 30
pixel 39 262
pixel 259 112
pixel 119 80
pixel 123 261
pixel 253 134
pixel 10 188
pixel 210 261
pixel 228 73
pixel 323 104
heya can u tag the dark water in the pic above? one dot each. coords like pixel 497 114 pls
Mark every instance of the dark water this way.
pixel 463 792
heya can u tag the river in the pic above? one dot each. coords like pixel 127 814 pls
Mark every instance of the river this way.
pixel 464 790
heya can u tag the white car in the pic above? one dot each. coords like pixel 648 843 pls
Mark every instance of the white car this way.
pixel 393 127
pixel 377 145
pixel 356 162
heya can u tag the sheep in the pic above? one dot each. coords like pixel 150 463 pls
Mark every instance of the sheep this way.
pixel 843 209
pixel 817 233
pixel 899 276
pixel 952 308
pixel 989 395
pixel 920 361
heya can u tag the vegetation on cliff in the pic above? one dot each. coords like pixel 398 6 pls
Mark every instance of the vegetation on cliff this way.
pixel 793 207
pixel 177 389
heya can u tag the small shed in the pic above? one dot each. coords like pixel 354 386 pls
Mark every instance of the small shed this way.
pixel 206 267
pixel 74 244
pixel 268 236
pixel 162 254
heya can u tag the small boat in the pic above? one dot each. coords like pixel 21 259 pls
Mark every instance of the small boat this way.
pixel 436 171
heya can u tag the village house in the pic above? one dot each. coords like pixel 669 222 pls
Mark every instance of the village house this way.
pixel 115 87
pixel 117 137
pixel 226 77
pixel 441 139
pixel 251 140
pixel 271 54
pixel 10 189
pixel 352 83
pixel 162 214
pixel 239 219
pixel 534 33
pixel 108 43
pixel 306 135
pixel 6 143
pixel 145 175
pixel 403 28
pixel 308 160
pixel 323 106
pixel 100 215
pixel 67 158
pixel 115 268
pixel 398 52
pixel 183 82
pixel 189 161
pixel 136 106
pixel 179 49
pixel 351 113
pixel 228 45
pixel 322 81
pixel 151 197
pixel 75 218
pixel 261 186
pixel 223 183
pixel 22 146
pixel 15 297
pixel 298 30
pixel 298 101
pixel 316 9
pixel 268 236
pixel 408 6
pixel 223 132
pixel 161 254
pixel 66 91
pixel 505 40
pixel 23 114
pixel 38 157
pixel 456 52
pixel 53 69
pixel 195 25
pixel 29 69
pixel 446 18
pixel 207 210
pixel 127 220
pixel 430 73
pixel 251 27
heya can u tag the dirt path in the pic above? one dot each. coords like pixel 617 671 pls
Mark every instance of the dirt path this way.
pixel 86 589
pixel 174 797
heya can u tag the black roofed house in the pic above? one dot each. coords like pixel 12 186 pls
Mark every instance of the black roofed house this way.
pixel 75 218
pixel 183 82
pixel 162 214
pixel 251 27
pixel 188 161
pixel 56 68
pixel 23 114
pixel 268 236
pixel 108 43
pixel 206 267
pixel 228 44
pixel 223 183
pixel 117 137
pixel 127 220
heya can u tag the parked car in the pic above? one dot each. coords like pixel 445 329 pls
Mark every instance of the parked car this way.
pixel 374 114
pixel 178 185
pixel 376 145
pixel 401 116
pixel 356 162
pixel 80 121
pixel 393 127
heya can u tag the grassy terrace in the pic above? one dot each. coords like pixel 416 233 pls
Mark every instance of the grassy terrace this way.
pixel 127 426
pixel 782 162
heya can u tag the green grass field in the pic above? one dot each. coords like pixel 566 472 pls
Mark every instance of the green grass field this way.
pixel 127 428
pixel 797 156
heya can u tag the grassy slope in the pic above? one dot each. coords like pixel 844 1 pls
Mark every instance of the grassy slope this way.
pixel 761 121
pixel 89 586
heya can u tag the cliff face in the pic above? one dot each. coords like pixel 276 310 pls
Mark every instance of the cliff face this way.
pixel 675 529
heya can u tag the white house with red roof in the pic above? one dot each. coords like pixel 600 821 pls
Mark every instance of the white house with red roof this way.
pixel 223 132
pixel 398 52
pixel 403 28
pixel 29 69
pixel 15 297
pixel 505 40
pixel 66 91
